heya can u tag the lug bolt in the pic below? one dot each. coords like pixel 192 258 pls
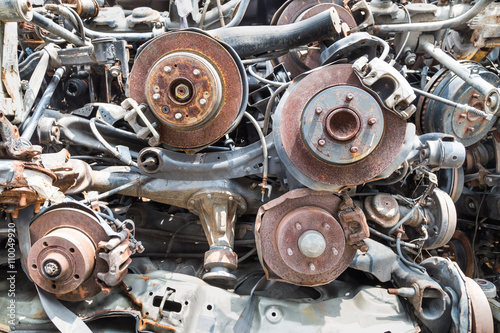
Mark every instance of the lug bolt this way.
pixel 372 121
pixel 319 109
pixel 178 116
pixel 167 69
pixel 203 101
pixel 349 97
pixel 196 72
pixel 353 150
pixel 156 96
pixel 321 142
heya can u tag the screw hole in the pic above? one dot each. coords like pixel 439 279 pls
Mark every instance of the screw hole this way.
pixel 71 250
pixel 76 276
pixel 34 266
pixel 53 286
pixel 209 307
pixel 45 244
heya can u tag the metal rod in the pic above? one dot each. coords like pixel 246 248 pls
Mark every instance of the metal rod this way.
pixel 42 105
pixel 463 107
pixel 489 91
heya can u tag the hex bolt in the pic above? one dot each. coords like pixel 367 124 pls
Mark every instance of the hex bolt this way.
pixel 372 121
pixel 178 116
pixel 298 226
pixel 349 97
pixel 230 198
pixel 167 69
pixel 354 149
pixel 321 142
pixel 203 101
pixel 51 268
pixel 196 72
pixel 312 267
pixel 156 96
pixel 318 110
pixel 289 251
pixel 326 226
pixel 156 89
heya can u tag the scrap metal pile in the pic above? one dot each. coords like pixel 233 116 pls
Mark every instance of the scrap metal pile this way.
pixel 237 165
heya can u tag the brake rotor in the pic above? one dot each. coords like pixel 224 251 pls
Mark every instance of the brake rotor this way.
pixel 63 259
pixel 193 85
pixel 296 11
pixel 433 116
pixel 300 240
pixel 331 132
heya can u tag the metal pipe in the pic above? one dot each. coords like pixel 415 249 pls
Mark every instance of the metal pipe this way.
pixel 260 39
pixel 51 26
pixel 242 9
pixel 462 107
pixel 42 105
pixel 434 26
pixel 490 92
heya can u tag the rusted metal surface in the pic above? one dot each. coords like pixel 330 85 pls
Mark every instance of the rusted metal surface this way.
pixel 12 146
pixel 61 260
pixel 84 8
pixel 304 60
pixel 382 209
pixel 355 171
pixel 339 128
pixel 353 222
pixel 281 222
pixel 80 222
pixel 211 118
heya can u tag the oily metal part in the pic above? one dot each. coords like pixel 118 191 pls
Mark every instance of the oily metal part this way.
pixel 281 228
pixel 291 146
pixel 302 61
pixel 433 116
pixel 49 244
pixel 151 74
